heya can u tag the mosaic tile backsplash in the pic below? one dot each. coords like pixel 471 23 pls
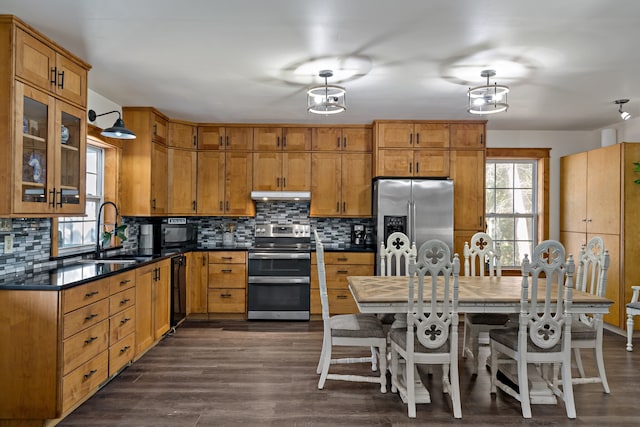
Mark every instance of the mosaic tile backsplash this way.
pixel 32 237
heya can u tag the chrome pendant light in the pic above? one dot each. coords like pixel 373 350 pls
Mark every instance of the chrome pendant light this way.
pixel 489 98
pixel 118 130
pixel 326 99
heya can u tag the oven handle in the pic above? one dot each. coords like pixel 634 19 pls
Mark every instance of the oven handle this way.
pixel 278 280
pixel 275 255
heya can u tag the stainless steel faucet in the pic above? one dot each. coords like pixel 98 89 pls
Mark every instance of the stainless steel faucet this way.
pixel 98 233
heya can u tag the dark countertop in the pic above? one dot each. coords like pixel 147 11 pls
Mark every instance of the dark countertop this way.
pixel 328 247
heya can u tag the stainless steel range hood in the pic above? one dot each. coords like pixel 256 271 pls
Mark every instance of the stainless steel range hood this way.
pixel 266 196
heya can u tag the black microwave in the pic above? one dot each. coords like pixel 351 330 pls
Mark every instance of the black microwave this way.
pixel 174 236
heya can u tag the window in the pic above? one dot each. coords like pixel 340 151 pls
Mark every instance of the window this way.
pixel 512 207
pixel 78 234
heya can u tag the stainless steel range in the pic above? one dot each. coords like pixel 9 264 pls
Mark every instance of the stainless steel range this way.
pixel 279 267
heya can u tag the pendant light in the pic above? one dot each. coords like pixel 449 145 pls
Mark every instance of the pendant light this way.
pixel 118 130
pixel 326 99
pixel 489 98
pixel 623 114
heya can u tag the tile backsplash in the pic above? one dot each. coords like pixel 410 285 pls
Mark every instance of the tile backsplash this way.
pixel 32 237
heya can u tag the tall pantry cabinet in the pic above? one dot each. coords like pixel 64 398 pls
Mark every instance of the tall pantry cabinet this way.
pixel 598 197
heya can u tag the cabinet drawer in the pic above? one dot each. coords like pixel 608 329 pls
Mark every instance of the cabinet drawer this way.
pixel 346 258
pixel 227 276
pixel 79 383
pixel 121 353
pixel 122 300
pixel 226 301
pixel 122 324
pixel 122 281
pixel 84 346
pixel 85 317
pixel 231 257
pixel 341 302
pixel 82 295
pixel 337 274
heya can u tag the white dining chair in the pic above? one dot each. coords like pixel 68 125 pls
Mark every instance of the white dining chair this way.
pixel 587 328
pixel 394 258
pixel 482 254
pixel 350 330
pixel 543 336
pixel 431 335
pixel 633 309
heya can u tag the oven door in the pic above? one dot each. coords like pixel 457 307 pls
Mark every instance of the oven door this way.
pixel 265 263
pixel 278 298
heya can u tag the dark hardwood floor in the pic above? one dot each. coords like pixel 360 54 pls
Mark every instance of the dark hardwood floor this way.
pixel 227 373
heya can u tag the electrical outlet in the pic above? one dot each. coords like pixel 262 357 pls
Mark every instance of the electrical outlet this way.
pixel 5 224
pixel 8 244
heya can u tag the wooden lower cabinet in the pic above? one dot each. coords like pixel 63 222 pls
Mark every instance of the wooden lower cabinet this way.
pixel 338 266
pixel 227 282
pixel 197 279
pixel 153 287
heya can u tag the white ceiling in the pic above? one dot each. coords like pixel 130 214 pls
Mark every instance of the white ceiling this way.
pixel 249 61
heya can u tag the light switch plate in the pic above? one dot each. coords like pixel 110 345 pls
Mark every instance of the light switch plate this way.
pixel 8 244
pixel 5 224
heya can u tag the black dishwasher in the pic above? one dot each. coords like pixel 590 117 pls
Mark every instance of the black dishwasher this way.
pixel 178 289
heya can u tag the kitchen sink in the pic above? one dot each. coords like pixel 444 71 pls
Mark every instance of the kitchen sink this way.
pixel 124 259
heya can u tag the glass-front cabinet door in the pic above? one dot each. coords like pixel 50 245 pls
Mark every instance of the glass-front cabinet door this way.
pixel 50 154
pixel 70 153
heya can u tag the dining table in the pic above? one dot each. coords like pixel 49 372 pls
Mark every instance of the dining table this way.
pixel 476 294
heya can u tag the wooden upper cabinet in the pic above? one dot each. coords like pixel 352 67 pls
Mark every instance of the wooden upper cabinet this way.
pixel 573 186
pixel 273 171
pixel 225 138
pixel 467 172
pixel 278 138
pixel 413 163
pixel 210 182
pixel 412 135
pixel 182 135
pixel 51 69
pixel 357 139
pixel 467 135
pixel 182 174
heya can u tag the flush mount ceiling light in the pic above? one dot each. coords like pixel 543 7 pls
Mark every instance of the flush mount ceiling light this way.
pixel 623 114
pixel 326 99
pixel 489 98
pixel 118 130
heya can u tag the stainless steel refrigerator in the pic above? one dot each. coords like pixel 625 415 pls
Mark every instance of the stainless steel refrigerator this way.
pixel 420 208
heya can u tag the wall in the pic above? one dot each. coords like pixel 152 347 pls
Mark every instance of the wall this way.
pixel 561 144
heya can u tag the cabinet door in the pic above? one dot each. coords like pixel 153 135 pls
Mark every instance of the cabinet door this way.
pixel 603 183
pixel 267 171
pixel 431 163
pixel 356 184
pixel 296 172
pixel 573 188
pixel 326 139
pixel 144 307
pixel 267 138
pixel 238 181
pixel 182 173
pixel 197 279
pixel 467 172
pixel 182 136
pixel 70 152
pixel 210 185
pixel 71 80
pixel 159 183
pixel 211 138
pixel 296 139
pixel 395 135
pixel 397 163
pixel 34 188
pixel 162 299
pixel 467 135
pixel 431 135
pixel 159 129
pixel 357 139
pixel 326 184
pixel 240 138
pixel 35 61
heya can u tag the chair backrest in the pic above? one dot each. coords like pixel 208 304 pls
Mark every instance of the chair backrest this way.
pixel 482 252
pixel 322 277
pixel 394 259
pixel 435 322
pixel 591 277
pixel 546 316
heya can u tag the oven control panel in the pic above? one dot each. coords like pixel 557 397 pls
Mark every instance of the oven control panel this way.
pixel 283 230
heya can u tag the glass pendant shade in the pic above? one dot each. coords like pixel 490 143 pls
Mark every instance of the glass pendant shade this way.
pixel 489 98
pixel 326 99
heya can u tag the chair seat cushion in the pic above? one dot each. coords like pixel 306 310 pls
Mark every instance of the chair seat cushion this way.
pixel 356 326
pixel 509 338
pixel 399 336
pixel 581 331
pixel 634 305
pixel 486 318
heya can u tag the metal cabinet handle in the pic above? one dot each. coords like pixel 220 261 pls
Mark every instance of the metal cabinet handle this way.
pixel 124 282
pixel 344 206
pixel 343 259
pixel 124 301
pixel 195 205
pixel 227 270
pixel 284 141
pixel 204 261
pixel 284 182
pixel 410 139
pixel 90 294
pixel 52 195
pixel 90 373
pixel 417 138
pixel 91 316
pixel 278 182
pixel 227 138
pixel 227 257
pixel 155 129
pixel 125 320
pixel 337 206
pixel 125 348
pixel 90 340
pixel 225 295
pixel 220 143
pixel 59 203
pixel 54 74
pixel 344 144
pixel 195 140
pixel 341 297
pixel 343 272
pixel 278 141
pixel 417 167
pixel 61 82
pixel 338 146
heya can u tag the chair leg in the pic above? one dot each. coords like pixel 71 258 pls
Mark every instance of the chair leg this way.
pixel 474 337
pixel 394 370
pixel 629 331
pixel 374 359
pixel 600 365
pixel 411 388
pixel 454 382
pixel 578 358
pixel 383 367
pixel 464 340
pixel 567 390
pixel 523 385
pixel 494 368
pixel 322 355
pixel 326 362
